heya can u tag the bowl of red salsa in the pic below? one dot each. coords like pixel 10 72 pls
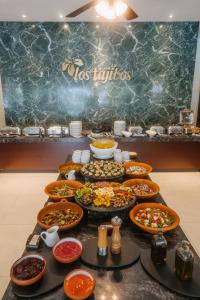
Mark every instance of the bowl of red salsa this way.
pixel 79 284
pixel 67 250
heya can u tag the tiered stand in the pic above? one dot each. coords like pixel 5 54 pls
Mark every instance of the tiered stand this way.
pixel 134 280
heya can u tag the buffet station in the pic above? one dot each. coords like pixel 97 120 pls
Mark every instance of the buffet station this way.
pixel 105 232
pixel 172 148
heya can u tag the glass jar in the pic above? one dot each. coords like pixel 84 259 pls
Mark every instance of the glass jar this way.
pixel 184 261
pixel 159 248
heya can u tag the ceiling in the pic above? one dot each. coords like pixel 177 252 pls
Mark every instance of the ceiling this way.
pixel 51 10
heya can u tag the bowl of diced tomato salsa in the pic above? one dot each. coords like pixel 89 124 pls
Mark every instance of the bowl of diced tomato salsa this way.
pixel 152 217
pixel 67 250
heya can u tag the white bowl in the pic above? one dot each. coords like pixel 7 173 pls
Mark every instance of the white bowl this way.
pixel 127 133
pixel 103 153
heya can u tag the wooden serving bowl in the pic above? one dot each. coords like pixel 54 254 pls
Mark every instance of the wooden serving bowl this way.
pixel 129 164
pixel 71 183
pixel 70 166
pixel 133 212
pixel 154 186
pixel 31 280
pixel 59 206
pixel 67 260
pixel 78 272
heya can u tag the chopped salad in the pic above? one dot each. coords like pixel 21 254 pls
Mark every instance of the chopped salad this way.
pixel 154 217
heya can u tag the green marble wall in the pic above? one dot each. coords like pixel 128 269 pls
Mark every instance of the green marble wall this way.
pixel 156 60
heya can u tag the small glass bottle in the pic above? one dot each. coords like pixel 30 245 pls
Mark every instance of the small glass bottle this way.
pixel 184 261
pixel 159 248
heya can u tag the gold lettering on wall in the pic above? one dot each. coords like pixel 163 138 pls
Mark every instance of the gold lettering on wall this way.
pixel 75 69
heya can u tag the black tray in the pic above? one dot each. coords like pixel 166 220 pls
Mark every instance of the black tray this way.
pixel 53 278
pixel 166 276
pixel 130 253
pixel 105 210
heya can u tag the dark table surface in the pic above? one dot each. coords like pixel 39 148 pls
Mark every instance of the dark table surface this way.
pixel 131 283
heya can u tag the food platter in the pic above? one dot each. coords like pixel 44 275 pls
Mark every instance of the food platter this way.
pixel 105 210
pixel 103 170
pixel 105 197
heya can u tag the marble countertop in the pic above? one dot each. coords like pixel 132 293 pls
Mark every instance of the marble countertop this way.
pixel 159 138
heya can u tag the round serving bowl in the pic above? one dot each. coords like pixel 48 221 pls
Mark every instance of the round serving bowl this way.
pixel 129 164
pixel 67 260
pixel 30 281
pixel 74 273
pixel 59 206
pixel 134 211
pixel 69 166
pixel 103 153
pixel 154 186
pixel 74 184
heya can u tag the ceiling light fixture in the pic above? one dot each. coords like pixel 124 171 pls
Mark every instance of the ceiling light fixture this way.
pixel 171 16
pixel 111 9
pixel 24 16
pixel 61 16
pixel 65 26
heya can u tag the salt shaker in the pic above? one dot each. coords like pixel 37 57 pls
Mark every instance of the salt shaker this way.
pixel 184 261
pixel 116 236
pixel 159 248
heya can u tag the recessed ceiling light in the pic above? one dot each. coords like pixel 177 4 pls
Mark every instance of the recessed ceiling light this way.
pixel 171 16
pixel 161 26
pixel 61 16
pixel 24 16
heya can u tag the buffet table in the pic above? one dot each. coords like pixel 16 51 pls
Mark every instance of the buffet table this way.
pixel 121 284
pixel 32 154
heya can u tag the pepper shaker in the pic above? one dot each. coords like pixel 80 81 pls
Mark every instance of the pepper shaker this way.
pixel 116 237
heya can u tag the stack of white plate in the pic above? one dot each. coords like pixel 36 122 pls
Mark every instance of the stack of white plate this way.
pixel 75 128
pixel 119 126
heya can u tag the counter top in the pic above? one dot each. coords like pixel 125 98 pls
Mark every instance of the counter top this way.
pixel 160 138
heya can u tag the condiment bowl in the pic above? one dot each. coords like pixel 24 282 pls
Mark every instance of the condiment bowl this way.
pixel 154 186
pixel 67 260
pixel 134 211
pixel 129 164
pixel 69 166
pixel 127 133
pixel 59 206
pixel 74 184
pixel 31 280
pixel 74 273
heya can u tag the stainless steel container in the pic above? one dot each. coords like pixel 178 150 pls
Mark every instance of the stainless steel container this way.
pixel 158 129
pixel 175 130
pixel 33 131
pixel 10 131
pixel 54 131
pixel 136 130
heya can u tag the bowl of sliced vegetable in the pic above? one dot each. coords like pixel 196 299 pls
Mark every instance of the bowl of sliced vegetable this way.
pixel 137 169
pixel 66 215
pixel 142 188
pixel 151 217
pixel 60 189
